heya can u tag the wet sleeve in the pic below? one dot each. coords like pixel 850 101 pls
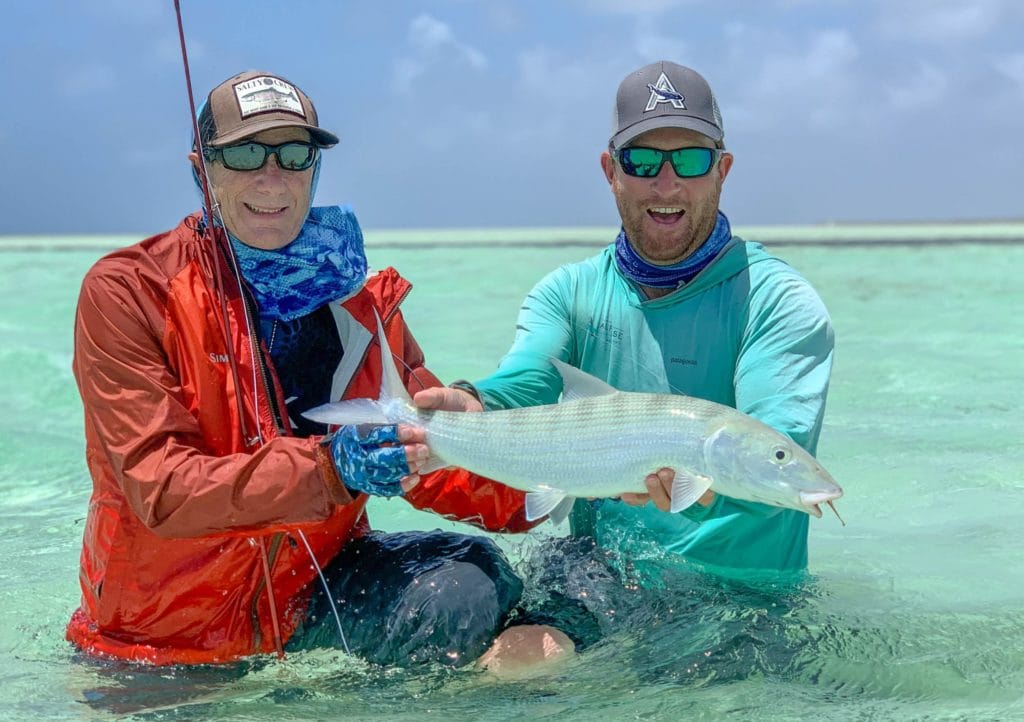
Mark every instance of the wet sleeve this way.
pixel 140 425
pixel 459 495
pixel 525 376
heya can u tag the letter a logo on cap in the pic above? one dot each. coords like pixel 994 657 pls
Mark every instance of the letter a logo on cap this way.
pixel 664 92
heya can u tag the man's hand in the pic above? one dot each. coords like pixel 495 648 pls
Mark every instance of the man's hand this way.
pixel 659 490
pixel 379 460
pixel 446 399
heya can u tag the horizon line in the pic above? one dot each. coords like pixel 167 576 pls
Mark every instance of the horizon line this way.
pixel 829 233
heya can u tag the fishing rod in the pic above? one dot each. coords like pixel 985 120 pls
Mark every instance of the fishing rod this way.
pixel 210 235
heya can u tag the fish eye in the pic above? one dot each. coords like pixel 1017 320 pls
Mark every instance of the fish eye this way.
pixel 780 454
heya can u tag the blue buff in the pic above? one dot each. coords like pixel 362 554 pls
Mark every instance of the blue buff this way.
pixel 635 268
pixel 366 466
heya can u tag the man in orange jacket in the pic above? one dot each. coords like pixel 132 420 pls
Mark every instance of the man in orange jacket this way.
pixel 215 503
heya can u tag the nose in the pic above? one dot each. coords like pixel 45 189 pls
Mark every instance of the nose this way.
pixel 272 167
pixel 666 175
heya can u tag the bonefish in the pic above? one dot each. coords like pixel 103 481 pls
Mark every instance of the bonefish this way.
pixel 601 442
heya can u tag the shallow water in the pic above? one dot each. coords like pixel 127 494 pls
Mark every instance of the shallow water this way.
pixel 913 610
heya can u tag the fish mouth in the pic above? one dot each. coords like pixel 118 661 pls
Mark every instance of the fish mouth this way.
pixel 811 499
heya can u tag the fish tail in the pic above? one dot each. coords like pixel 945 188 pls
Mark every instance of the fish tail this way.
pixel 356 411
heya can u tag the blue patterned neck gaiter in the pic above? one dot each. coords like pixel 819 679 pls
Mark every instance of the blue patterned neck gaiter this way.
pixel 325 262
pixel 636 269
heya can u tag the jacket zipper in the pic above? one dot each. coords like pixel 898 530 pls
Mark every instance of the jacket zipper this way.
pixel 261 362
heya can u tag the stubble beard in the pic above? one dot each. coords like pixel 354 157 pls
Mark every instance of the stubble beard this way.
pixel 698 223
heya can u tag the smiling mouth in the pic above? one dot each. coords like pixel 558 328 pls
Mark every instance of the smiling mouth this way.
pixel 261 211
pixel 665 214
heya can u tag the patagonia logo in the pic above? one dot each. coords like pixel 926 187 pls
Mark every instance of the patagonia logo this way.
pixel 664 92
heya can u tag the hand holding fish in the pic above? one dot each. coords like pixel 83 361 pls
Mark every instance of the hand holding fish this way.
pixel 441 398
pixel 659 491
pixel 379 460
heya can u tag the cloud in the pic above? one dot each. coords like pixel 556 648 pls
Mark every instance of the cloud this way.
pixel 637 8
pixel 433 42
pixel 651 43
pixel 1012 66
pixel 941 21
pixel 928 86
pixel 167 49
pixel 806 81
pixel 87 79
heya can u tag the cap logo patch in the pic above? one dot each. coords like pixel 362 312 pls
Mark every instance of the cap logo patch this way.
pixel 267 94
pixel 664 92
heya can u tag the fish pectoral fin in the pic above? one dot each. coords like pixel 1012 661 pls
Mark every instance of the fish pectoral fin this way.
pixel 554 504
pixel 687 488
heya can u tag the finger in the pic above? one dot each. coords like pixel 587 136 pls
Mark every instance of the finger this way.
pixel 658 493
pixel 409 482
pixel 411 434
pixel 446 399
pixel 416 456
pixel 634 499
pixel 429 398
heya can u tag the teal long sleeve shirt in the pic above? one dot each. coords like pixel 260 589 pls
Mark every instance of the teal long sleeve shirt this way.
pixel 748 332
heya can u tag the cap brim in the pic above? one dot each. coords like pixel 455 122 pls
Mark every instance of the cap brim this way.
pixel 321 137
pixel 666 121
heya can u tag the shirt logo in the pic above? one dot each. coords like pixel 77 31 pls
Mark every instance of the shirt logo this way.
pixel 266 94
pixel 664 92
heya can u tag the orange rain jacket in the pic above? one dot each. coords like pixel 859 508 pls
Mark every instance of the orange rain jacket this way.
pixel 192 552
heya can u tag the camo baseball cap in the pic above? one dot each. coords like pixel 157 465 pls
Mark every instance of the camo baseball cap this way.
pixel 665 95
pixel 255 101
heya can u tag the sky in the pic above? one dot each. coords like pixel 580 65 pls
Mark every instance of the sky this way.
pixel 493 113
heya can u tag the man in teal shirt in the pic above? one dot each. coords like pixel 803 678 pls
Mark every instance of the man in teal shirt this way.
pixel 676 305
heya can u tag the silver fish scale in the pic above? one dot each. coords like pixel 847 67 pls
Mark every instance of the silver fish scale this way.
pixel 565 446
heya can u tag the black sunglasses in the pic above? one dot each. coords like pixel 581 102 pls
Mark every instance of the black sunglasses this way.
pixel 252 155
pixel 686 162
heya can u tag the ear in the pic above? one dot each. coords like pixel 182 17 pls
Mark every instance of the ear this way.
pixel 194 158
pixel 608 166
pixel 724 164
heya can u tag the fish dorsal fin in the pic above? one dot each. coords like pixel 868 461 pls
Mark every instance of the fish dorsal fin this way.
pixel 551 502
pixel 577 384
pixel 687 488
pixel 391 386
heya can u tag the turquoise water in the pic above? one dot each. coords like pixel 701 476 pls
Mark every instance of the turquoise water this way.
pixel 915 609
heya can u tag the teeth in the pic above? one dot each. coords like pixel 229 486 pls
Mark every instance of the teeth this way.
pixel 666 210
pixel 257 209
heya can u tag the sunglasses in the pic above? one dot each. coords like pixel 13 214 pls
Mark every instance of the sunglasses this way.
pixel 251 155
pixel 686 162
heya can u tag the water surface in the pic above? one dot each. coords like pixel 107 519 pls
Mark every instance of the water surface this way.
pixel 913 610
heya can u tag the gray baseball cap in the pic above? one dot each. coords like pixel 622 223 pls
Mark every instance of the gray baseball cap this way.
pixel 665 95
